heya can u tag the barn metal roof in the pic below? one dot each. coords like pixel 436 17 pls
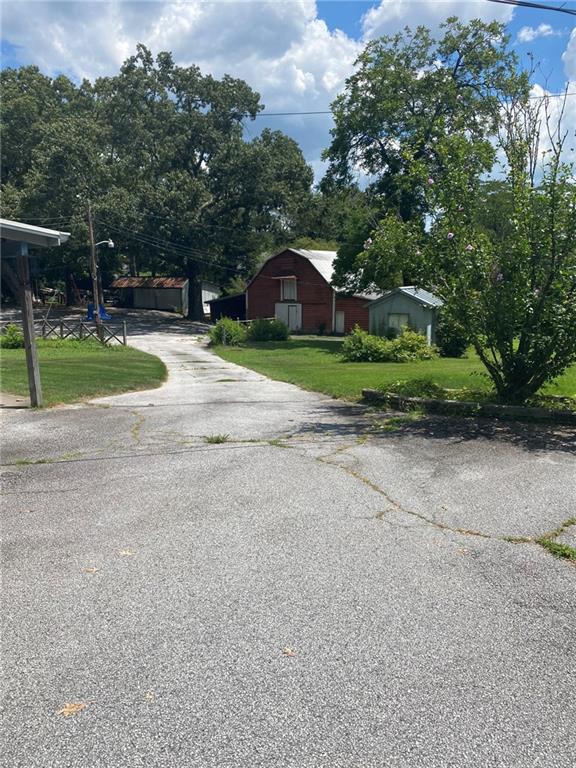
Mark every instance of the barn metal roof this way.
pixel 149 282
pixel 31 234
pixel 322 260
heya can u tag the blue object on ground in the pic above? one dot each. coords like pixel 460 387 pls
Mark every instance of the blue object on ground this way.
pixel 102 312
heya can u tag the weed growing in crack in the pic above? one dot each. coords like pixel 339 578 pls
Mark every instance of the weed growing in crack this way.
pixel 217 439
pixel 563 551
pixel 395 422
pixel 277 443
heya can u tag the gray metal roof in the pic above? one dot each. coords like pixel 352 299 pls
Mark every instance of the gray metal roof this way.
pixel 28 233
pixel 322 260
pixel 414 292
pixel 324 263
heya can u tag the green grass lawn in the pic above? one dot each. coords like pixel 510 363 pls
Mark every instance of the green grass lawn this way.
pixel 76 370
pixel 314 363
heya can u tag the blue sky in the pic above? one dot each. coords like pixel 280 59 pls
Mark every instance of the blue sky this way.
pixel 296 53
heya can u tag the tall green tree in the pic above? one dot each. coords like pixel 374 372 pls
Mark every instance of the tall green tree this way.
pixel 159 150
pixel 407 93
pixel 513 292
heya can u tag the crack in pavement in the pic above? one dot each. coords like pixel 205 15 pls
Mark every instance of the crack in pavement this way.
pixel 398 507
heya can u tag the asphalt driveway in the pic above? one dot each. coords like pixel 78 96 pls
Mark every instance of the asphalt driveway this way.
pixel 317 589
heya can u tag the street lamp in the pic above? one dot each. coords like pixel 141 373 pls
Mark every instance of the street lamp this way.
pixel 94 272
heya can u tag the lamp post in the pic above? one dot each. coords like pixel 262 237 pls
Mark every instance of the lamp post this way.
pixel 94 273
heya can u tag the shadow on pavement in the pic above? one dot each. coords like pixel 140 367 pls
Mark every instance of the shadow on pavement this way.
pixel 356 420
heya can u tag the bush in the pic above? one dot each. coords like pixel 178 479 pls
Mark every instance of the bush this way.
pixel 268 330
pixel 362 347
pixel 411 345
pixel 450 337
pixel 12 338
pixel 227 331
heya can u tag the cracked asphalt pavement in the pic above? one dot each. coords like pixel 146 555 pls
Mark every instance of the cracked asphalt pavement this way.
pixel 316 591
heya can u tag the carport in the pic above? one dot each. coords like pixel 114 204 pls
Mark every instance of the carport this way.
pixel 16 239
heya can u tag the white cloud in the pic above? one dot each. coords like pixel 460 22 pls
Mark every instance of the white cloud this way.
pixel 527 34
pixel 569 57
pixel 282 49
pixel 93 38
pixel 393 15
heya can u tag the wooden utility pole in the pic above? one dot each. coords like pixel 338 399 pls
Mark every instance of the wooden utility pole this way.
pixel 94 275
pixel 25 287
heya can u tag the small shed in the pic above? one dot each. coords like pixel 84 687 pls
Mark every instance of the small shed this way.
pixel 228 306
pixel 405 307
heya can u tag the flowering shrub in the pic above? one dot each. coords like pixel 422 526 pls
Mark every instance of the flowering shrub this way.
pixel 362 347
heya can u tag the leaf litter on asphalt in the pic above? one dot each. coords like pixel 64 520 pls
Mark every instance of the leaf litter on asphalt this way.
pixel 288 651
pixel 71 708
pixel 126 553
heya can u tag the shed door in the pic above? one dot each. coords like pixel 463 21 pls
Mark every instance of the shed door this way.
pixel 339 322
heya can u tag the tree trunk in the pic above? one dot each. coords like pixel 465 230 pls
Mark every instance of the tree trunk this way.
pixel 70 298
pixel 133 265
pixel 9 275
pixel 195 308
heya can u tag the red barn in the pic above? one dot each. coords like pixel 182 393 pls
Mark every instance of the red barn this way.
pixel 295 286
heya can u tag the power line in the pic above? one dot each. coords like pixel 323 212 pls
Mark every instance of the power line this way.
pixel 165 245
pixel 291 114
pixel 329 111
pixel 539 6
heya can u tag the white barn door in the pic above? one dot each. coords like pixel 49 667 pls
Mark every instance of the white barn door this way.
pixel 291 314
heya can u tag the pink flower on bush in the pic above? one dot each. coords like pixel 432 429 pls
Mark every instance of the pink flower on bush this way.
pixel 430 182
pixel 450 235
pixel 367 243
pixel 469 247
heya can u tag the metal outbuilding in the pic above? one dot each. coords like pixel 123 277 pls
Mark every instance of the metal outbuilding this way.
pixel 406 307
pixel 169 294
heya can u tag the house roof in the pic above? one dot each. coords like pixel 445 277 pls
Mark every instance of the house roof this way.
pixel 415 293
pixel 226 298
pixel 149 282
pixel 29 233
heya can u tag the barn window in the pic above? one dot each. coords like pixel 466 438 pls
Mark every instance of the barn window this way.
pixel 288 289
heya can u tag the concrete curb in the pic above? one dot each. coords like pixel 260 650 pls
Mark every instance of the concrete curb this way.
pixel 464 408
